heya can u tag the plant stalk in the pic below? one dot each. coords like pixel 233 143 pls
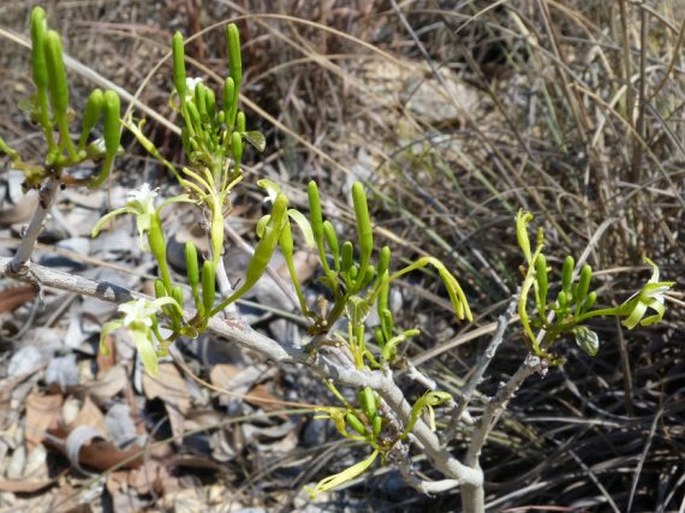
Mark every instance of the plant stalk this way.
pixel 28 241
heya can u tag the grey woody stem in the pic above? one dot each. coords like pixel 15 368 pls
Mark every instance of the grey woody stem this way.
pixel 482 365
pixel 329 366
pixel 30 236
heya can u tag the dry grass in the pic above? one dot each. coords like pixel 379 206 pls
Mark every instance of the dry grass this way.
pixel 577 116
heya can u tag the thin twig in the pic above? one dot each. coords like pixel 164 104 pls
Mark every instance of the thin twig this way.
pixel 28 241
pixel 400 457
pixel 482 365
pixel 497 405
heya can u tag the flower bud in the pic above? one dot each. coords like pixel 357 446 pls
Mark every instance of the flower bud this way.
pixel 208 285
pixel 91 114
pixel 567 274
pixel 235 63
pixel 356 424
pixel 179 66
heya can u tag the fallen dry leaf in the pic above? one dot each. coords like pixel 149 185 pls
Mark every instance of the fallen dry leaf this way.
pixel 89 415
pixel 42 413
pixel 99 455
pixel 13 297
pixel 24 485
pixel 108 383
pixel 260 396
pixel 171 388
pixel 222 373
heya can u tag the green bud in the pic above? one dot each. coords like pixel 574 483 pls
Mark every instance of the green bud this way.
pixel 177 294
pixel 91 115
pixel 179 66
pixel 160 289
pixel 364 230
pixel 155 238
pixel 208 285
pixel 201 102
pixel 567 274
pixel 367 401
pixel 377 425
pixel 192 269
pixel 59 89
pixel 332 241
pixel 112 128
pixel 356 424
pixel 38 63
pixel 57 73
pixel 384 260
pixel 590 301
pixel 240 122
pixel 562 299
pixel 39 69
pixel 112 134
pixel 267 244
pixel 315 217
pixel 387 322
pixel 346 256
pixel 210 101
pixel 235 63
pixel 583 286
pixel 263 251
pixel 237 148
pixel 230 106
pixel 193 273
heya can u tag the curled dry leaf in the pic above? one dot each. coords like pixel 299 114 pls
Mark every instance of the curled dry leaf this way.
pixel 13 297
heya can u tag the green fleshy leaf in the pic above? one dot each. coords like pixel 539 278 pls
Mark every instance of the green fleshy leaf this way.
pixel 304 226
pixel 256 139
pixel 586 339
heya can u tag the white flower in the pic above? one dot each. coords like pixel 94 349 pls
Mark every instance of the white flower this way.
pixel 144 197
pixel 139 311
pixel 191 84
pixel 141 204
pixel 139 318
